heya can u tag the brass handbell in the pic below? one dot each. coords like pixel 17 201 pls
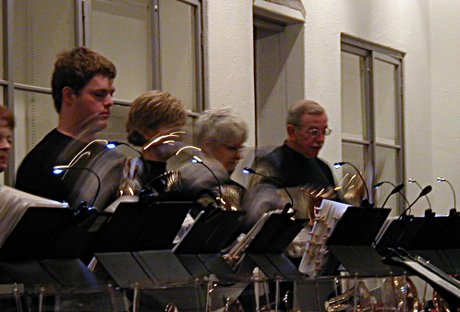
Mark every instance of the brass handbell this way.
pixel 166 182
pixel 129 187
pixel 400 293
pixel 306 198
pixel 352 188
pixel 229 197
pixel 172 181
pixel 358 296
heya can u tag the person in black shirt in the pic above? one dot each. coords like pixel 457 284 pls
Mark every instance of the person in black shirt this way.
pixel 82 90
pixel 153 123
pixel 295 164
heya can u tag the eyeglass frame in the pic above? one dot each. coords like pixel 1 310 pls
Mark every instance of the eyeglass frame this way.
pixel 315 132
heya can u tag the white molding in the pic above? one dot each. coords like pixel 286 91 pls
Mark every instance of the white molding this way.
pixel 277 12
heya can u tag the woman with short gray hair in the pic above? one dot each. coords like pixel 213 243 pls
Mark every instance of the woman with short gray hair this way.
pixel 221 135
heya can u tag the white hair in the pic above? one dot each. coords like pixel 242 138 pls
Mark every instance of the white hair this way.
pixel 299 108
pixel 220 126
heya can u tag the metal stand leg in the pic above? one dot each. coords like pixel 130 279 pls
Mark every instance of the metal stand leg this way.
pixel 260 282
pixel 256 278
pixel 211 285
pixel 126 301
pixel 136 297
pixel 41 297
pixel 267 294
pixel 57 303
pixel 356 297
pixel 405 292
pixel 112 297
pixel 17 298
pixel 295 303
pixel 277 294
pixel 198 292
pixel 288 303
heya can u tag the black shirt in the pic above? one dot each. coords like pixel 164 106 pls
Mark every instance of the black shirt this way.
pixel 291 168
pixel 35 174
pixel 153 169
pixel 151 175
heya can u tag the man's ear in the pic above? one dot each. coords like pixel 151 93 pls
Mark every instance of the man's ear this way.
pixel 291 131
pixel 67 95
pixel 206 146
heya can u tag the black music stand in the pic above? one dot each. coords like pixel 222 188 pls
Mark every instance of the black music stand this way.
pixel 35 232
pixel 74 242
pixel 25 255
pixel 434 238
pixel 135 227
pixel 352 239
pixel 145 268
pixel 158 275
pixel 133 246
pixel 210 232
pixel 438 240
pixel 399 233
pixel 266 250
pixel 447 286
pixel 199 250
pixel 55 273
pixel 163 277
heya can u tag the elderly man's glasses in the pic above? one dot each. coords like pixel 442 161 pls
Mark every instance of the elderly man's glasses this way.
pixel 314 132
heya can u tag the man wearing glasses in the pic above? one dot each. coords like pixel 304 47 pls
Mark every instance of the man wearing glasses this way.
pixel 294 165
pixel 294 168
pixel 296 162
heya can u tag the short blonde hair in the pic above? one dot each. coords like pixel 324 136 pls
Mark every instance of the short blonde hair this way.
pixel 152 110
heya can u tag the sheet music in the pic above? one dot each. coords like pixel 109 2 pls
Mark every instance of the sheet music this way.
pixel 187 226
pixel 384 228
pixel 14 203
pixel 326 218
pixel 433 277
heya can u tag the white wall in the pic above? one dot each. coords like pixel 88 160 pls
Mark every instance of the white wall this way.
pixel 280 80
pixel 403 25
pixel 425 30
pixel 229 66
pixel 445 95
